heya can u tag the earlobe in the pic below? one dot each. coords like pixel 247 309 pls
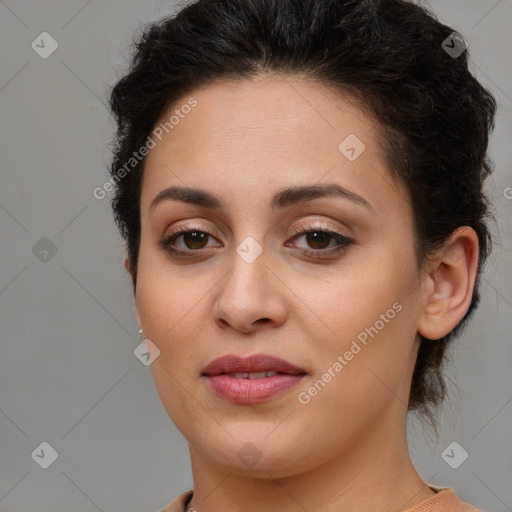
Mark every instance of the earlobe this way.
pixel 450 284
pixel 127 264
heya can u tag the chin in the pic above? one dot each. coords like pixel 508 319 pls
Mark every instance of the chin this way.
pixel 258 457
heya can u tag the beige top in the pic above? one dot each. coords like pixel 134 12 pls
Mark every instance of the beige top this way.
pixel 444 501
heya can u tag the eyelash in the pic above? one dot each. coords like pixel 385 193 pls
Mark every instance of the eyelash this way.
pixel 303 229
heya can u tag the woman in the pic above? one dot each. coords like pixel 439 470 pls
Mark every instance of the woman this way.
pixel 299 185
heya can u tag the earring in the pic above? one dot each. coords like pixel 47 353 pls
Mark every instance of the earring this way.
pixel 141 336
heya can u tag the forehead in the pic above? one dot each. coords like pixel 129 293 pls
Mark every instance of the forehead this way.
pixel 250 137
pixel 276 110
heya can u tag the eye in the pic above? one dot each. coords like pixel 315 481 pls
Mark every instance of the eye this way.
pixel 320 240
pixel 193 240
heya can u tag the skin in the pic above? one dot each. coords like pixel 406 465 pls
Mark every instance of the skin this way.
pixel 346 449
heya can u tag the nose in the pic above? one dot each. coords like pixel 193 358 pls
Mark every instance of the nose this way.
pixel 250 297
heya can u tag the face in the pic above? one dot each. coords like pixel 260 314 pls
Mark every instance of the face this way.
pixel 259 263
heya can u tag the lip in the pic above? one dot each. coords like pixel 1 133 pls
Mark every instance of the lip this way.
pixel 254 363
pixel 246 390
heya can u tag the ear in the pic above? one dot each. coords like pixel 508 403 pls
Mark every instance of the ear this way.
pixel 126 264
pixel 450 282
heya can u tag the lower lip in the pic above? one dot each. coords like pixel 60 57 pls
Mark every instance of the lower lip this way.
pixel 252 391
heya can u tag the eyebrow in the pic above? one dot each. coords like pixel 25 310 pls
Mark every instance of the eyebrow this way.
pixel 281 199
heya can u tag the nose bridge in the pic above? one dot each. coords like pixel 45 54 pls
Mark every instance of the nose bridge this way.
pixel 250 250
pixel 246 295
pixel 249 268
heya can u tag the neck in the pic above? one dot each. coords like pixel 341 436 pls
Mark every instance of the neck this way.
pixel 374 472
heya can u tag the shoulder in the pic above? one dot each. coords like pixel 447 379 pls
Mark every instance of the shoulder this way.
pixel 180 503
pixel 444 501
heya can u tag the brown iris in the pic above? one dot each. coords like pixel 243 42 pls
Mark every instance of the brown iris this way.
pixel 316 239
pixel 194 239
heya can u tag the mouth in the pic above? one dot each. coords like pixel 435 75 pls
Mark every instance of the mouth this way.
pixel 254 379
pixel 255 366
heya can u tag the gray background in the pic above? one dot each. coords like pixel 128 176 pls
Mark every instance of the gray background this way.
pixel 68 375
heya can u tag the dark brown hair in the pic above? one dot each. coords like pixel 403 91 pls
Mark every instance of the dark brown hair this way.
pixel 435 117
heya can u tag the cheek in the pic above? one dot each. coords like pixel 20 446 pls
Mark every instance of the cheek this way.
pixel 172 311
pixel 169 304
pixel 358 382
pixel 351 302
pixel 171 316
pixel 367 337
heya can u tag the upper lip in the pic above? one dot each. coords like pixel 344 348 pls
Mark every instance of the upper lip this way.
pixel 254 363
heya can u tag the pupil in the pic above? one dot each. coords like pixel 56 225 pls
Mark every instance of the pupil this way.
pixel 195 237
pixel 317 237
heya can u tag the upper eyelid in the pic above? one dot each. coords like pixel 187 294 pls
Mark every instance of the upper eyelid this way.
pixel 301 230
pixel 343 243
pixel 297 231
pixel 315 224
